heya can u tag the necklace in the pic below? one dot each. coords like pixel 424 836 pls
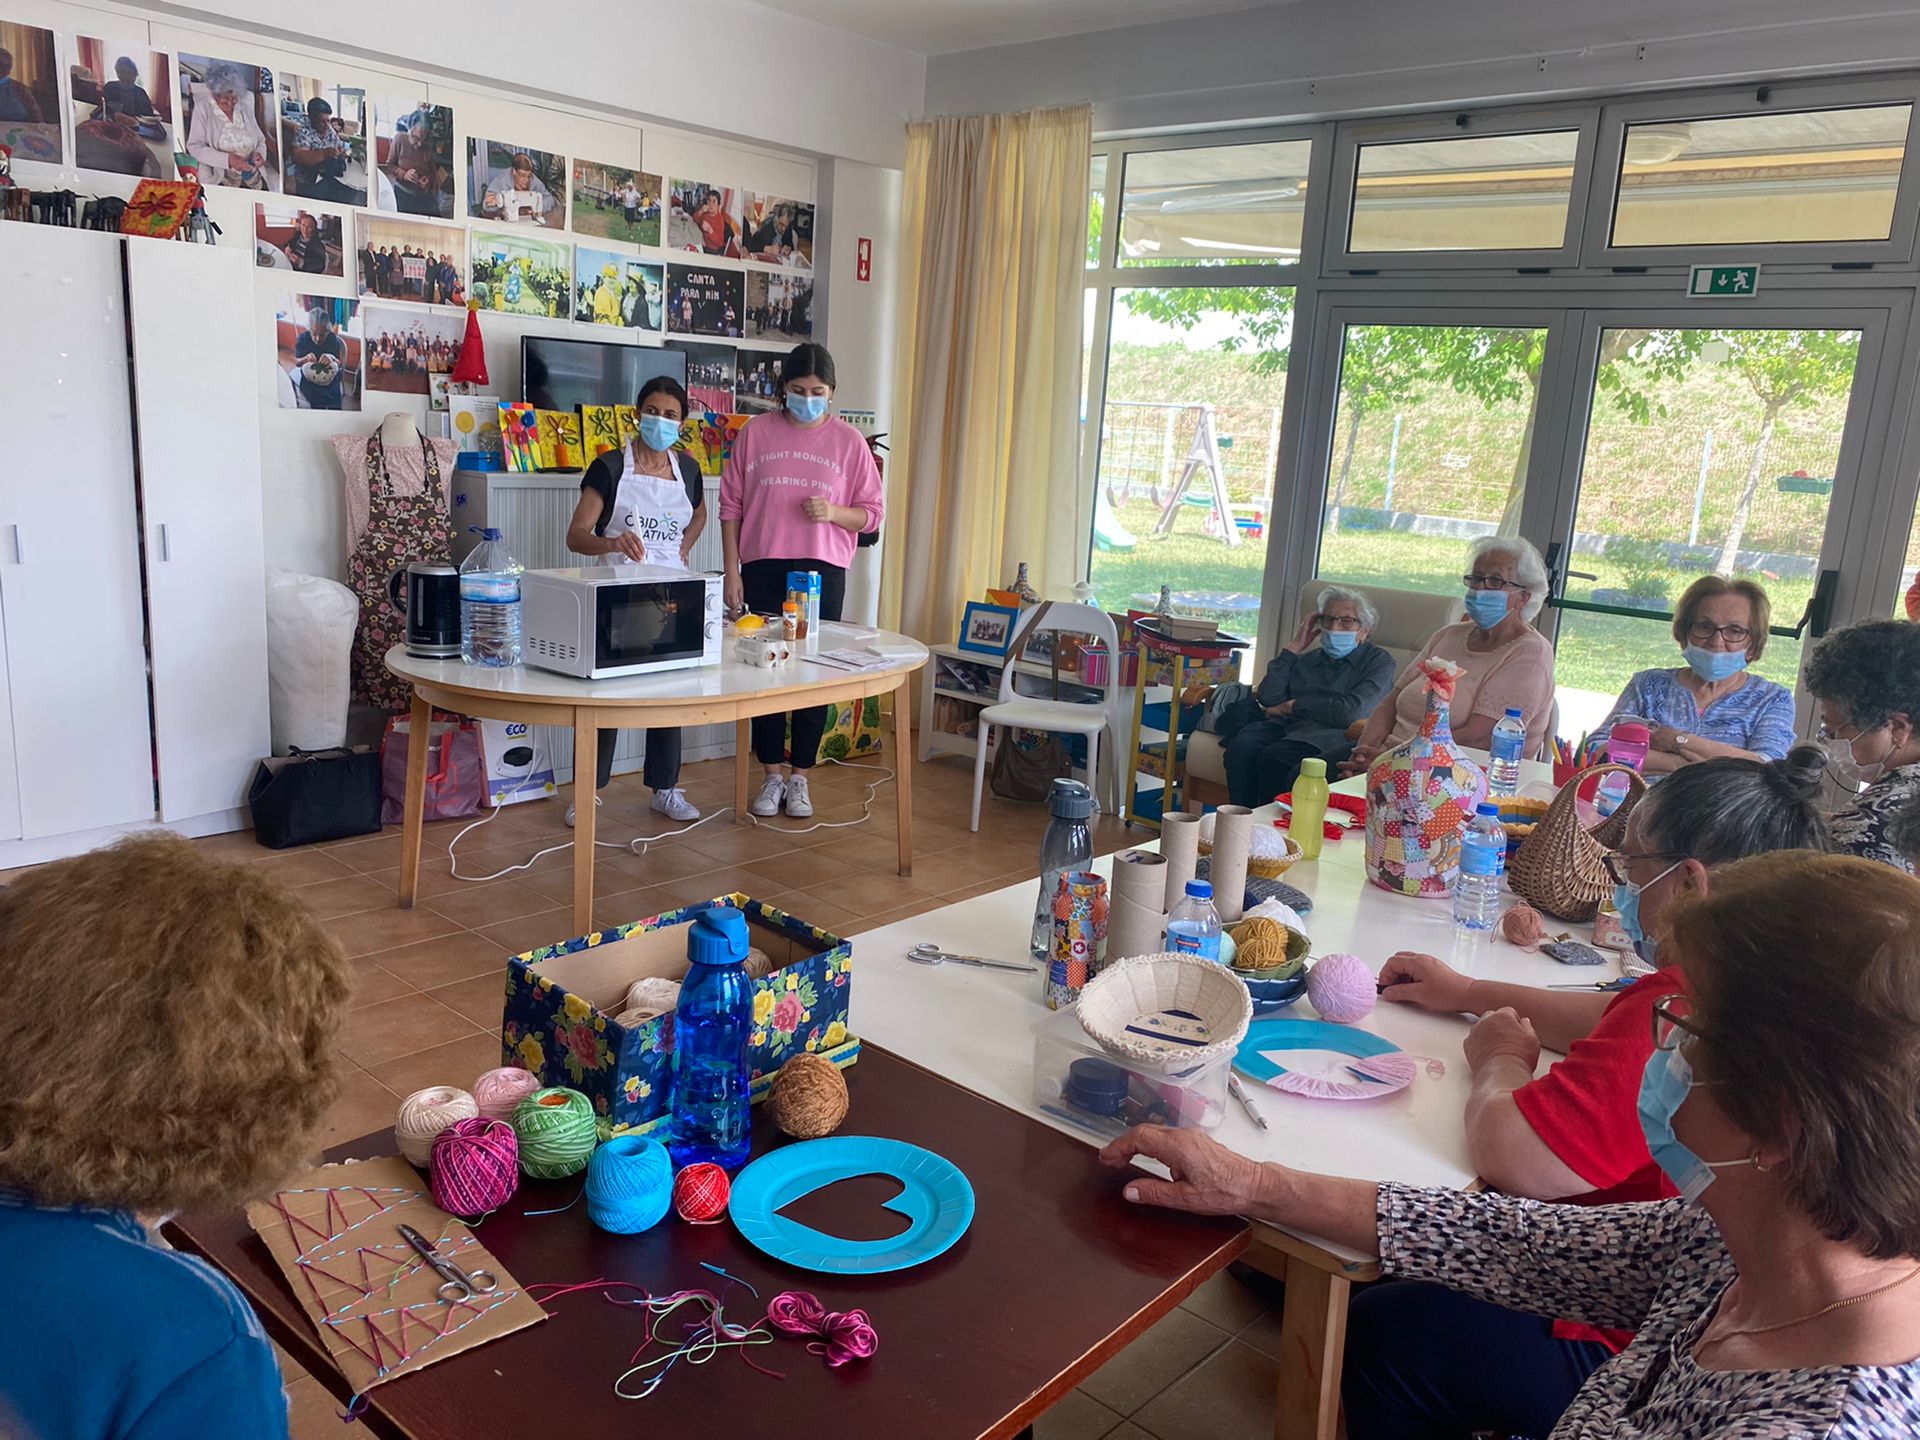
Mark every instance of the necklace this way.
pixel 1814 1315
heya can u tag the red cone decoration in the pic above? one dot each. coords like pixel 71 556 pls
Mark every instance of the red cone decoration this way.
pixel 471 367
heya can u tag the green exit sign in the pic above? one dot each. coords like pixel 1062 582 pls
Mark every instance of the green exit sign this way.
pixel 1730 281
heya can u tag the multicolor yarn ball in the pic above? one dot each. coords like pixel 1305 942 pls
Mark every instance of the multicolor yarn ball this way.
pixel 474 1166
pixel 424 1114
pixel 701 1192
pixel 1342 988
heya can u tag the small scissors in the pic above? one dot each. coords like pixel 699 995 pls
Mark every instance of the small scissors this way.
pixel 463 1285
pixel 927 953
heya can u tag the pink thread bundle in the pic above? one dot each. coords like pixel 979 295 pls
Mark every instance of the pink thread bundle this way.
pixel 475 1166
pixel 840 1335
pixel 498 1093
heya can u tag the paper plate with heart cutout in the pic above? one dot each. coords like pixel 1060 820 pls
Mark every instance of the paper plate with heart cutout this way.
pixel 935 1197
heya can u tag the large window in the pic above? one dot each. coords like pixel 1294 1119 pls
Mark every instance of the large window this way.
pixel 1483 192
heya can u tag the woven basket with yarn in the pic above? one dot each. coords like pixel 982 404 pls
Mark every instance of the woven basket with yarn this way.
pixel 1121 996
pixel 1561 869
pixel 1267 867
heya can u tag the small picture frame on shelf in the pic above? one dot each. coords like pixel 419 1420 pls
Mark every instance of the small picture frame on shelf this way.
pixel 988 629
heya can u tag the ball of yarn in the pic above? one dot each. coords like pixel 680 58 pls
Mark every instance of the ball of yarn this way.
pixel 758 964
pixel 1522 925
pixel 1341 988
pixel 1268 945
pixel 498 1093
pixel 809 1097
pixel 475 1166
pixel 629 1184
pixel 653 992
pixel 424 1114
pixel 700 1193
pixel 557 1132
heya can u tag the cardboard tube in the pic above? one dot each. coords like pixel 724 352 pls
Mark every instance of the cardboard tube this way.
pixel 1137 923
pixel 1180 844
pixel 1232 837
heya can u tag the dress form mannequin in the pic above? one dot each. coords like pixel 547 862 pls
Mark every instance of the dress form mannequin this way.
pixel 398 432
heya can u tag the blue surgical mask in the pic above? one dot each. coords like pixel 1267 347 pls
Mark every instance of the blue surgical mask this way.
pixel 1626 899
pixel 1664 1087
pixel 1487 607
pixel 1713 665
pixel 1339 643
pixel 657 432
pixel 807 408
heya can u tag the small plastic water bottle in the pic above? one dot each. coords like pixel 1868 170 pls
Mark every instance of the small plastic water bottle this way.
pixel 1509 743
pixel 1483 860
pixel 490 603
pixel 1066 845
pixel 1194 926
pixel 711 1025
pixel 1627 744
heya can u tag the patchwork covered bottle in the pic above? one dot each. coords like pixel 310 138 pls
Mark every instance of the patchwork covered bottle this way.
pixel 1420 796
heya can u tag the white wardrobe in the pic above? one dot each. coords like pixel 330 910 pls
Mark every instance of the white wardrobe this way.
pixel 133 647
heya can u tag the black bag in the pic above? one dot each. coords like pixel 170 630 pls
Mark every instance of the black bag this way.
pixel 313 795
pixel 1027 771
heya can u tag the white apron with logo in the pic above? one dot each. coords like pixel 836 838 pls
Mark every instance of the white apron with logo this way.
pixel 655 509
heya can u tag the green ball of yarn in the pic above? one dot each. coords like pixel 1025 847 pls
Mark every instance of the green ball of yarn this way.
pixel 557 1132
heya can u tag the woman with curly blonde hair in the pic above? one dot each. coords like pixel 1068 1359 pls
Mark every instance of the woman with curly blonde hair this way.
pixel 171 1023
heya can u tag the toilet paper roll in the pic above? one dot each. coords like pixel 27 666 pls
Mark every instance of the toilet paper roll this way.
pixel 1232 837
pixel 1137 923
pixel 1180 844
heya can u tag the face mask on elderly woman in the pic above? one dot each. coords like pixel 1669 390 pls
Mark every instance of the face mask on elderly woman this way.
pixel 1664 1087
pixel 1487 608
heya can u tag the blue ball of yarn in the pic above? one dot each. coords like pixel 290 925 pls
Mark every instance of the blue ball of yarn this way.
pixel 629 1184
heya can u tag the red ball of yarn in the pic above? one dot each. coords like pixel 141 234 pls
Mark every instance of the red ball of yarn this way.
pixel 700 1193
pixel 474 1166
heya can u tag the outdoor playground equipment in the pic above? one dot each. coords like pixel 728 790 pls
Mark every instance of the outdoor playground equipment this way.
pixel 1202 455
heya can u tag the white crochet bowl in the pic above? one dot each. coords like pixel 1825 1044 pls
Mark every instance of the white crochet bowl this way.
pixel 1133 1010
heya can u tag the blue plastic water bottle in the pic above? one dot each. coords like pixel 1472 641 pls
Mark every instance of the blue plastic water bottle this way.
pixel 1509 744
pixel 1194 926
pixel 1483 860
pixel 712 1117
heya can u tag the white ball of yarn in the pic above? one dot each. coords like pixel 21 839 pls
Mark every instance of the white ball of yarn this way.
pixel 655 993
pixel 1277 910
pixel 424 1114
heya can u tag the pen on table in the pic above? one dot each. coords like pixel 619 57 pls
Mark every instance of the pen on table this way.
pixel 1239 1092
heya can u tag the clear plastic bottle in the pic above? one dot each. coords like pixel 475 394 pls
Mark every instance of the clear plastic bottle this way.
pixel 1483 860
pixel 490 602
pixel 711 1025
pixel 1627 744
pixel 1309 821
pixel 1194 926
pixel 1066 845
pixel 1509 744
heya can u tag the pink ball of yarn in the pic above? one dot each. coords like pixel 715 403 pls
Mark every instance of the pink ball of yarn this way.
pixel 498 1093
pixel 475 1166
pixel 1522 925
pixel 1342 988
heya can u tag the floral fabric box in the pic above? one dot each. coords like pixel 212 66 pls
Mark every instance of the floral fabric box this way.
pixel 562 999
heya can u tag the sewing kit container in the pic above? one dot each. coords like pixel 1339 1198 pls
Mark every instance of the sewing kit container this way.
pixel 1080 1084
pixel 561 1001
pixel 1079 936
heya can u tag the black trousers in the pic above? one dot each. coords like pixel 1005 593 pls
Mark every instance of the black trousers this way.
pixel 765 583
pixel 660 769
pixel 1263 762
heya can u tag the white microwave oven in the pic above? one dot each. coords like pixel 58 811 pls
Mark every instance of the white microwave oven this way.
pixel 599 621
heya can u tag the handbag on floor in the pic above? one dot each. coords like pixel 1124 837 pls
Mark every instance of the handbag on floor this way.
pixel 456 773
pixel 308 796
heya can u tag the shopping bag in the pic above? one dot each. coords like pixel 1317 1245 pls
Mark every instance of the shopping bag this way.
pixel 456 774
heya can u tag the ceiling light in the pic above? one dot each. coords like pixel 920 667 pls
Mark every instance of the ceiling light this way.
pixel 1649 145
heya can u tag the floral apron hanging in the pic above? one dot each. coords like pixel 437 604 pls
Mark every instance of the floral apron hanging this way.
pixel 400 530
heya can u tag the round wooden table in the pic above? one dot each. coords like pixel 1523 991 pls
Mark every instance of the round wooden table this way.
pixel 707 695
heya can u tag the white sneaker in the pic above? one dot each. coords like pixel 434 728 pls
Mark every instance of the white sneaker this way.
pixel 571 815
pixel 771 794
pixel 799 803
pixel 673 803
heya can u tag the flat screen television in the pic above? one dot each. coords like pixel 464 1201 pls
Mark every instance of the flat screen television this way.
pixel 557 374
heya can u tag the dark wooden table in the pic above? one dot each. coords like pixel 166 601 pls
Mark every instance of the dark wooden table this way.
pixel 1057 1273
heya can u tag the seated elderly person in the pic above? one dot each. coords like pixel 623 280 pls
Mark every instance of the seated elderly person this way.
pixel 1308 698
pixel 1778 1297
pixel 1503 660
pixel 1712 707
pixel 190 1063
pixel 1867 681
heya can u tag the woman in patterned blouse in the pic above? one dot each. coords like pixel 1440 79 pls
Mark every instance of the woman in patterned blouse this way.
pixel 1867 680
pixel 1780 1297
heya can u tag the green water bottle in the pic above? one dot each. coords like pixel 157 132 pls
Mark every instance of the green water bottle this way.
pixel 1309 807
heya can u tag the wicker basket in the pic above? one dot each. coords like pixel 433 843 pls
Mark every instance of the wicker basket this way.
pixel 1561 868
pixel 1266 868
pixel 1125 1010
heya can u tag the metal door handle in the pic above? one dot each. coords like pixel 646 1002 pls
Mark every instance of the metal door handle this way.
pixel 1819 611
pixel 166 546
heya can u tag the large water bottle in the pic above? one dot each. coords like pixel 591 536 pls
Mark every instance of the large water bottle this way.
pixel 490 602
pixel 711 1024
pixel 1067 845
pixel 1509 744
pixel 1308 822
pixel 1194 926
pixel 1483 860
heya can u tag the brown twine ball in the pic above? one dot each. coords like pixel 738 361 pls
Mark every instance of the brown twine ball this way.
pixel 758 963
pixel 1266 944
pixel 1522 925
pixel 809 1097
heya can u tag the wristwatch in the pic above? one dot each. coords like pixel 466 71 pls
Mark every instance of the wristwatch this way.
pixel 1681 740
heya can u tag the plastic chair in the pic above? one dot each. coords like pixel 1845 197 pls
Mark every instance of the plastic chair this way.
pixel 1060 717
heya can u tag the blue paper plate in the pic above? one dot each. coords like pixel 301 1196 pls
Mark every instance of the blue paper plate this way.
pixel 1302 1035
pixel 936 1198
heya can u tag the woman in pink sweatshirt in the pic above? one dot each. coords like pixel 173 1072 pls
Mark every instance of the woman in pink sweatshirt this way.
pixel 799 488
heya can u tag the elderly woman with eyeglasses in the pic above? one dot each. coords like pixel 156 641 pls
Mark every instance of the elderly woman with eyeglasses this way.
pixel 1504 662
pixel 1867 680
pixel 1779 1294
pixel 1713 707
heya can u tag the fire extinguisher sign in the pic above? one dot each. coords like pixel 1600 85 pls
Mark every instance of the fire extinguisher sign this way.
pixel 863 260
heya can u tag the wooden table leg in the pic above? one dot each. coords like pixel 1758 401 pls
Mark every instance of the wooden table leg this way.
pixel 903 775
pixel 742 758
pixel 1313 1338
pixel 586 767
pixel 414 813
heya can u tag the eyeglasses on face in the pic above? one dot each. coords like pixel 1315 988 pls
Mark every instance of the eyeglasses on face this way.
pixel 1673 1022
pixel 1340 622
pixel 1490 582
pixel 1701 631
pixel 1619 863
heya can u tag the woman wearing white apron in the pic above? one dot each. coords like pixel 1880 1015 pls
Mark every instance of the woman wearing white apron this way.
pixel 644 505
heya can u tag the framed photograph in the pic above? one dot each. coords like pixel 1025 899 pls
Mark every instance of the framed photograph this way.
pixel 122 107
pixel 616 202
pixel 988 629
pixel 515 184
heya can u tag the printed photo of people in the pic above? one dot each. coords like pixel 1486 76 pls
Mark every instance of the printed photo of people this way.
pixel 227 110
pixel 29 93
pixel 619 204
pixel 317 353
pixel 610 289
pixel 703 217
pixel 756 384
pixel 523 274
pixel 413 158
pixel 779 307
pixel 408 260
pixel 705 302
pixel 512 185
pixel 778 232
pixel 323 140
pixel 709 374
pixel 406 348
pixel 287 237
pixel 122 107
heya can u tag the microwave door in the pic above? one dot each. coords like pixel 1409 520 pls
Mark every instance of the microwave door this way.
pixel 638 625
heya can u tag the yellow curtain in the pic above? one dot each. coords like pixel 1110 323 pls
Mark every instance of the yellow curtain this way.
pixel 986 427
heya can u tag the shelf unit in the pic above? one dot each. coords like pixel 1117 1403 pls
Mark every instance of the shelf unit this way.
pixel 1158 754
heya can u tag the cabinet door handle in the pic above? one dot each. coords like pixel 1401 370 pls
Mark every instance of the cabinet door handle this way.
pixel 19 555
pixel 166 547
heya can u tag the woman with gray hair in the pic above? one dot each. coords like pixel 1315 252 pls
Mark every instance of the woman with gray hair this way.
pixel 223 132
pixel 1308 698
pixel 1867 680
pixel 1504 662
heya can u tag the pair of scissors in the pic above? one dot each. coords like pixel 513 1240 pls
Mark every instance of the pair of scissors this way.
pixel 452 1277
pixel 927 953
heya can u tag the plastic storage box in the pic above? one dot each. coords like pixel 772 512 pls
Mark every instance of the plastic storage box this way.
pixel 1079 1084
